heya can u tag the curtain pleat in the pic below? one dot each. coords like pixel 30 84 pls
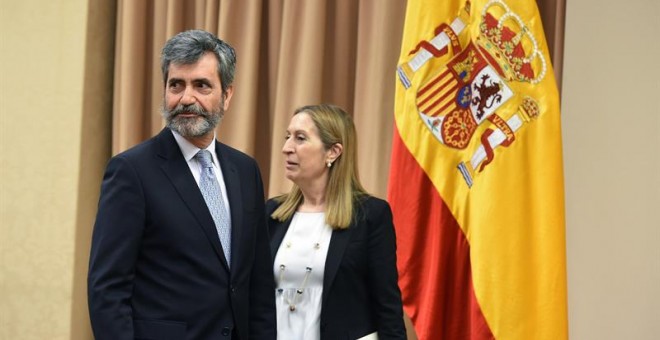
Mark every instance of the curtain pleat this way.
pixel 553 13
pixel 378 46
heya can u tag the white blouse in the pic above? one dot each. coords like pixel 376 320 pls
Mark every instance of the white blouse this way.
pixel 298 268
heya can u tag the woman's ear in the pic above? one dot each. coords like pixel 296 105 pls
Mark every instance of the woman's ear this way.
pixel 334 152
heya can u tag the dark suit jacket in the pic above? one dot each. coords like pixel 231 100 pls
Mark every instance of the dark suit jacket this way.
pixel 157 270
pixel 360 283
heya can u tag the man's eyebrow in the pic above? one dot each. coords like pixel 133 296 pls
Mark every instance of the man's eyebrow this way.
pixel 202 80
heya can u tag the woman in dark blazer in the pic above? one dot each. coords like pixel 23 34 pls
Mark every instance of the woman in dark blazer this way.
pixel 333 245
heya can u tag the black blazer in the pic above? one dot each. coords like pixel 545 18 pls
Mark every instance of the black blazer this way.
pixel 360 290
pixel 157 270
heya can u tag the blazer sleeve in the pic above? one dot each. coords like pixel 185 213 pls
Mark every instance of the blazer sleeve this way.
pixel 116 238
pixel 262 282
pixel 383 276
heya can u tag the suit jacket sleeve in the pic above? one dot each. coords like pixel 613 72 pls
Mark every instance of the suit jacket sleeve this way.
pixel 385 292
pixel 262 282
pixel 115 245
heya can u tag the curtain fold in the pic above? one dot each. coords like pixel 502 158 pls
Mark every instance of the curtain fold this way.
pixel 553 13
pixel 290 53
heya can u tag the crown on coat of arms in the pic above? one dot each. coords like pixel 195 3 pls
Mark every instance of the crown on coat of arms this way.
pixel 502 36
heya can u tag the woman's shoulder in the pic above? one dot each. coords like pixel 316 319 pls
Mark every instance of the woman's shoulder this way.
pixel 372 205
pixel 273 203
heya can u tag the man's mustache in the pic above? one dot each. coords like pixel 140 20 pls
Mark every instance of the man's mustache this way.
pixel 192 108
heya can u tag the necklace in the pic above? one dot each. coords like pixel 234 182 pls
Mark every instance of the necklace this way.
pixel 292 297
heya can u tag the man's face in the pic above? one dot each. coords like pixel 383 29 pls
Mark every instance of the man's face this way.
pixel 194 101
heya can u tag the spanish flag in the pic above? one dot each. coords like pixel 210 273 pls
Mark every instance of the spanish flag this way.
pixel 476 183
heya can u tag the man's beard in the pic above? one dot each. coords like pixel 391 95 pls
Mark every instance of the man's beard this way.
pixel 199 125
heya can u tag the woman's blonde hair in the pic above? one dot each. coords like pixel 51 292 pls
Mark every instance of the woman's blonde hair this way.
pixel 334 126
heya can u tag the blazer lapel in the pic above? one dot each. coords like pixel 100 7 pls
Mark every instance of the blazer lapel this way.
pixel 176 169
pixel 233 185
pixel 338 243
pixel 277 235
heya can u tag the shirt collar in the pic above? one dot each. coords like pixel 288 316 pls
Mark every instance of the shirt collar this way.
pixel 189 150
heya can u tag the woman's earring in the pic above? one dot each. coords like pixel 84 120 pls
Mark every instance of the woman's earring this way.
pixel 329 164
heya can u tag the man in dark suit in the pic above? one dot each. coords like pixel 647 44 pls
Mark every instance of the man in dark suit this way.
pixel 180 245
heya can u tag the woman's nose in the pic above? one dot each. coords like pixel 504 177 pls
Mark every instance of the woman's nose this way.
pixel 286 148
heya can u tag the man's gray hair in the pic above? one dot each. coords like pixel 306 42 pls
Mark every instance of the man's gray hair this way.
pixel 187 47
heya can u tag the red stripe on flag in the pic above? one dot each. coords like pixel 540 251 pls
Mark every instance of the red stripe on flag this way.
pixel 450 91
pixel 433 256
pixel 435 93
pixel 429 85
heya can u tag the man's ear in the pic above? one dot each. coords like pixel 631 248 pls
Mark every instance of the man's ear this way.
pixel 228 94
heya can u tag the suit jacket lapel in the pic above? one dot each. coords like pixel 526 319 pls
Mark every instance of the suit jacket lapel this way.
pixel 176 169
pixel 233 185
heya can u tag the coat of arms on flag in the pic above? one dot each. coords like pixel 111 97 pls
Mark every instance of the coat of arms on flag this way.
pixel 472 87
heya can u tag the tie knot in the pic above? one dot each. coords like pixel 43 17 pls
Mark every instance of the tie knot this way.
pixel 204 158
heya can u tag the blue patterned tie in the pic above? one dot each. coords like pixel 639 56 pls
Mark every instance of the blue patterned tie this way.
pixel 210 188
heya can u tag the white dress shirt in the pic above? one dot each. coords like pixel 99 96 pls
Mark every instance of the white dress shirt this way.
pixel 189 151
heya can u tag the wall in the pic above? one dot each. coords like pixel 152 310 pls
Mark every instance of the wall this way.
pixel 611 129
pixel 53 142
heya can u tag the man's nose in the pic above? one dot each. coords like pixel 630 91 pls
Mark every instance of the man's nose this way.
pixel 188 96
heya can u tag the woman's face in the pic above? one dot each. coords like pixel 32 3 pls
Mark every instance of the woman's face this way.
pixel 305 155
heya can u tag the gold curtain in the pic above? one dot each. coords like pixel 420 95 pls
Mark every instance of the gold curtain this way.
pixel 290 53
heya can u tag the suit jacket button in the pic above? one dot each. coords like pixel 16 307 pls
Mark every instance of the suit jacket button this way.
pixel 226 331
